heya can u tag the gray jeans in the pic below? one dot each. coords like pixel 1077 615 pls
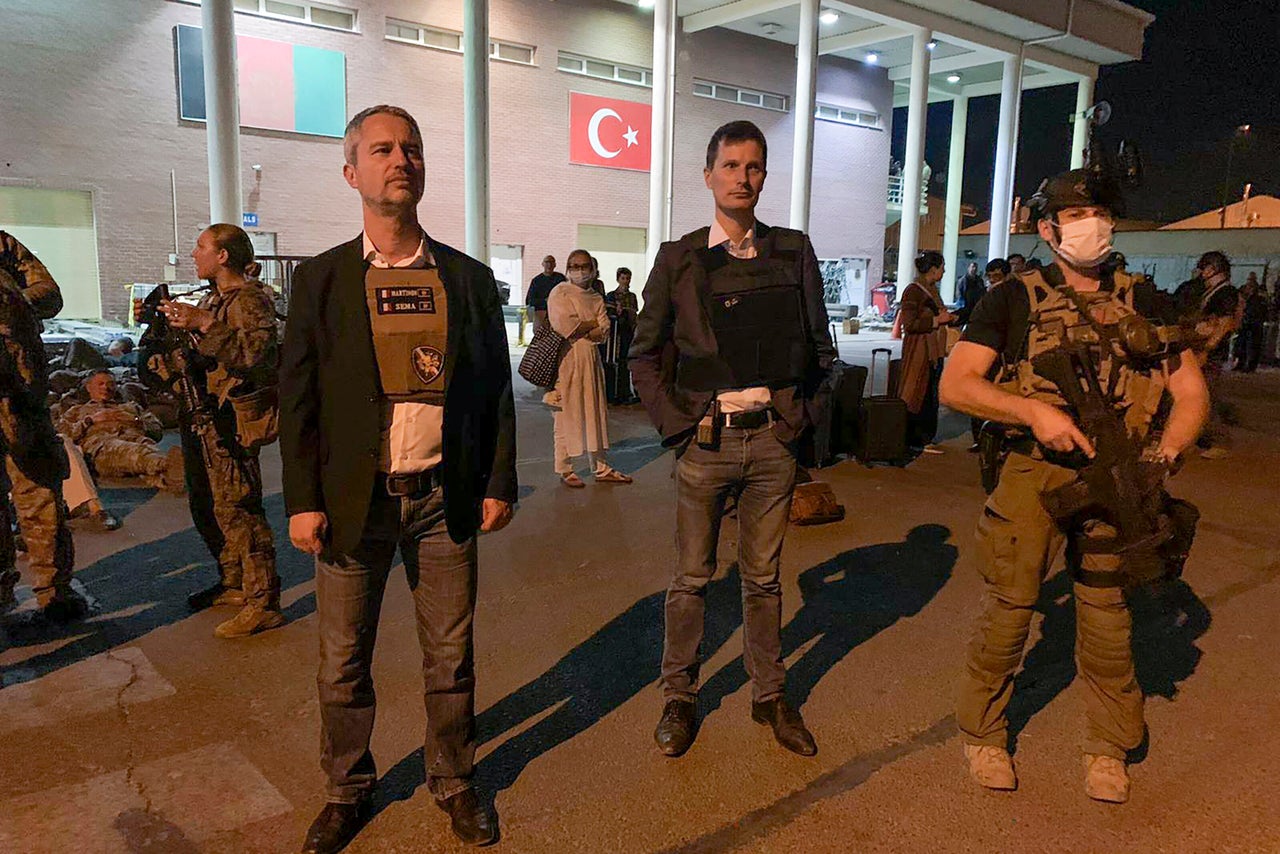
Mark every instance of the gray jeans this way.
pixel 753 465
pixel 349 587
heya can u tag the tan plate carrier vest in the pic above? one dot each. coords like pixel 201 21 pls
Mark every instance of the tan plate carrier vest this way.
pixel 409 317
pixel 1055 317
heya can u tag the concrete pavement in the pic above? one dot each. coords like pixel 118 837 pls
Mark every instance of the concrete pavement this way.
pixel 137 731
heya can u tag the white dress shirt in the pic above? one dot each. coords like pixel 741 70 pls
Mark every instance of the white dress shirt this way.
pixel 412 433
pixel 757 397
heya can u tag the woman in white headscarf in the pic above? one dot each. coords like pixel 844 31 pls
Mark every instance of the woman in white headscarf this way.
pixel 577 312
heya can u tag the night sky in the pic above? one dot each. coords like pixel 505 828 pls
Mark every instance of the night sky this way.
pixel 1209 66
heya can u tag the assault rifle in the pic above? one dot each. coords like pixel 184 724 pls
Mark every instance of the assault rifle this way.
pixel 173 347
pixel 1117 485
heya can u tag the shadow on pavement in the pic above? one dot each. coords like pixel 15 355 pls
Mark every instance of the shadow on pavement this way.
pixel 594 679
pixel 140 589
pixel 1167 620
pixel 847 601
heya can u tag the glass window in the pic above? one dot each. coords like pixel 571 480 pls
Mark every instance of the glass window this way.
pixel 569 63
pixel 631 75
pixel 706 90
pixel 288 10
pixel 333 18
pixel 727 93
pixel 442 39
pixel 775 102
pixel 246 5
pixel 752 98
pixel 599 69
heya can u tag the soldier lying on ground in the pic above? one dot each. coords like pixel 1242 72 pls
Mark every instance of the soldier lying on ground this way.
pixel 119 438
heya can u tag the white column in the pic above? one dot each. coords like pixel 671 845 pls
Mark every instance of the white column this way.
pixel 913 162
pixel 1080 138
pixel 955 185
pixel 222 110
pixel 475 126
pixel 806 96
pixel 1006 145
pixel 664 45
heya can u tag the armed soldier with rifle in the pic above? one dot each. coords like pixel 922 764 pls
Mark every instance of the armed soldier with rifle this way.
pixel 1082 374
pixel 219 358
pixel 33 461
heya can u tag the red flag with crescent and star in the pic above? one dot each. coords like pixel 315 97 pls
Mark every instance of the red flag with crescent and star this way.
pixel 609 132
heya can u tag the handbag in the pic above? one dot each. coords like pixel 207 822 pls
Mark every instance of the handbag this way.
pixel 541 361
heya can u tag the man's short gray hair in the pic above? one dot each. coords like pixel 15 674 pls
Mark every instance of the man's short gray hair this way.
pixel 351 136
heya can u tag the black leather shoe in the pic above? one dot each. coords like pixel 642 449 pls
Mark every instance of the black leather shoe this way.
pixel 107 521
pixel 788 726
pixel 335 827
pixel 676 727
pixel 471 820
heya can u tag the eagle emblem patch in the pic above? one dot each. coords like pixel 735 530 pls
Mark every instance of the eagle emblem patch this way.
pixel 428 362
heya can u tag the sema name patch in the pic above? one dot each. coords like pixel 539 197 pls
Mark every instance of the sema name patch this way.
pixel 406 300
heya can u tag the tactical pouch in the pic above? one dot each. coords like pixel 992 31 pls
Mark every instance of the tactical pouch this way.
pixel 257 417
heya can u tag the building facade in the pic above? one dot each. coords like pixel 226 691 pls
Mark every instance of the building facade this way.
pixel 109 184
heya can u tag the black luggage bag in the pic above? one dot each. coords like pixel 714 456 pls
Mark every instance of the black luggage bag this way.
pixel 836 433
pixel 882 425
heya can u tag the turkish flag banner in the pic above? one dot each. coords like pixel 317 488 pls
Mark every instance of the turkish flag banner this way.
pixel 609 132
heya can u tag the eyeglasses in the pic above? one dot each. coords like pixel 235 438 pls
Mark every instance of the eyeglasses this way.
pixel 586 267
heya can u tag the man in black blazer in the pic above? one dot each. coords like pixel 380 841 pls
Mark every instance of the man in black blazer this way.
pixel 732 345
pixel 397 430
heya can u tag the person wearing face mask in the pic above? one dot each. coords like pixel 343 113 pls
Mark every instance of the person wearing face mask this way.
pixel 1068 300
pixel 1212 304
pixel 921 324
pixel 576 311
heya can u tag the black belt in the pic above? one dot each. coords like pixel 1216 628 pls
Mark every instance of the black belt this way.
pixel 749 420
pixel 409 485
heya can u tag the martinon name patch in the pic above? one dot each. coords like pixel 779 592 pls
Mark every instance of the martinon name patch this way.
pixel 406 300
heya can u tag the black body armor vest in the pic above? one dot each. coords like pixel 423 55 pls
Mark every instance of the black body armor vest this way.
pixel 756 314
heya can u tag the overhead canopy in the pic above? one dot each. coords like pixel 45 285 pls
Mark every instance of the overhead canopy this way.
pixel 1064 40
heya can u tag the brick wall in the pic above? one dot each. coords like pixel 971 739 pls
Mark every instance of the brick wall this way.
pixel 90 102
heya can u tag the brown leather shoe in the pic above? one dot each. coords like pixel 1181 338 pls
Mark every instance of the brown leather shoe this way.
pixel 470 819
pixel 788 726
pixel 335 827
pixel 676 727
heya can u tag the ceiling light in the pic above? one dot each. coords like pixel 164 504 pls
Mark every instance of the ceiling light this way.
pixel 931 44
pixel 646 4
pixel 828 17
pixel 872 58
pixel 953 77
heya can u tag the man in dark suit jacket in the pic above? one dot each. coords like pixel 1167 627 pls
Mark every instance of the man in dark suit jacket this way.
pixel 732 344
pixel 397 430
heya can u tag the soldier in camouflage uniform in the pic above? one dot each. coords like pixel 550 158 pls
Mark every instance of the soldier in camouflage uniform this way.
pixel 120 438
pixel 1018 540
pixel 234 358
pixel 33 460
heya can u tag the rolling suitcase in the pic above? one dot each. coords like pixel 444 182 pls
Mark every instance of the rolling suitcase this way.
pixel 834 434
pixel 882 425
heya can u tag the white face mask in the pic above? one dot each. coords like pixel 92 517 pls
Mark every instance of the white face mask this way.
pixel 579 277
pixel 1084 242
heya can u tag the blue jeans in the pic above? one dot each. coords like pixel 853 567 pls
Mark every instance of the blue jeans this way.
pixel 761 471
pixel 349 587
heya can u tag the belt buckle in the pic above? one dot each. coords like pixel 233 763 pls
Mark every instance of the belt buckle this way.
pixel 395 488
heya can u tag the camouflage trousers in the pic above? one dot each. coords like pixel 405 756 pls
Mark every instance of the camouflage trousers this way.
pixel 116 457
pixel 224 487
pixel 34 465
pixel 1017 543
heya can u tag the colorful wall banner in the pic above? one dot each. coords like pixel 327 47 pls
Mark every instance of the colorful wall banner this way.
pixel 282 86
